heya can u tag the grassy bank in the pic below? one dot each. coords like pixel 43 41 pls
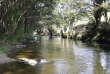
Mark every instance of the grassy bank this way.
pixel 6 41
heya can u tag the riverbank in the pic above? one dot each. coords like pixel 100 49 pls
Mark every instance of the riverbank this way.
pixel 4 57
pixel 7 47
pixel 89 33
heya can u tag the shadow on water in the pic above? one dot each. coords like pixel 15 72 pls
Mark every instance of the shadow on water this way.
pixel 19 68
pixel 65 56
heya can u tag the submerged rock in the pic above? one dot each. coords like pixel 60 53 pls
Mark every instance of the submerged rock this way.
pixel 14 48
pixel 28 61
pixel 31 61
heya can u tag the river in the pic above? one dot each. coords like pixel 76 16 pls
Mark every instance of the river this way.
pixel 66 56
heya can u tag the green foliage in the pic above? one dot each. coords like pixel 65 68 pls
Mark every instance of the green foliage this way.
pixel 6 43
pixel 16 14
pixel 21 17
pixel 20 30
pixel 1 53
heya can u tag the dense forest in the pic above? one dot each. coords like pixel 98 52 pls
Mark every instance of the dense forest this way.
pixel 22 17
pixel 78 19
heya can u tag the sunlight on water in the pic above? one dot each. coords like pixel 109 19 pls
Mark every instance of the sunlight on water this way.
pixel 65 56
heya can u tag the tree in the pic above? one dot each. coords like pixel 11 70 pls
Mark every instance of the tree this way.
pixel 20 16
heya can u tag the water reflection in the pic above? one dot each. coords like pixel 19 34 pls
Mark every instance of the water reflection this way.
pixel 84 57
pixel 105 62
pixel 66 57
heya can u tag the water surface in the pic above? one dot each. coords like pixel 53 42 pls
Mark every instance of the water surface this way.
pixel 66 57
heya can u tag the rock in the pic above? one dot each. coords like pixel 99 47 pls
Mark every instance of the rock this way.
pixel 20 46
pixel 4 59
pixel 32 62
pixel 28 61
pixel 14 48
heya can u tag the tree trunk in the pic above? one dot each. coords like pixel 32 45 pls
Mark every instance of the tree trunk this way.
pixel 98 12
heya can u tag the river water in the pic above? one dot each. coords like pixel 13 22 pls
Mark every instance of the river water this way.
pixel 65 56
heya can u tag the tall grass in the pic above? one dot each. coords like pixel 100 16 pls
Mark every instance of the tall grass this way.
pixel 6 44
pixel 6 41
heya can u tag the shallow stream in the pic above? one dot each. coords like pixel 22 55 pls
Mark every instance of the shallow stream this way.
pixel 65 55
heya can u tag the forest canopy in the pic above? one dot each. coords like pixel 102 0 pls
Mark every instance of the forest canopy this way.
pixel 25 16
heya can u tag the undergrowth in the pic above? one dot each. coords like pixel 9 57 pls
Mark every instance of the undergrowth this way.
pixel 6 41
